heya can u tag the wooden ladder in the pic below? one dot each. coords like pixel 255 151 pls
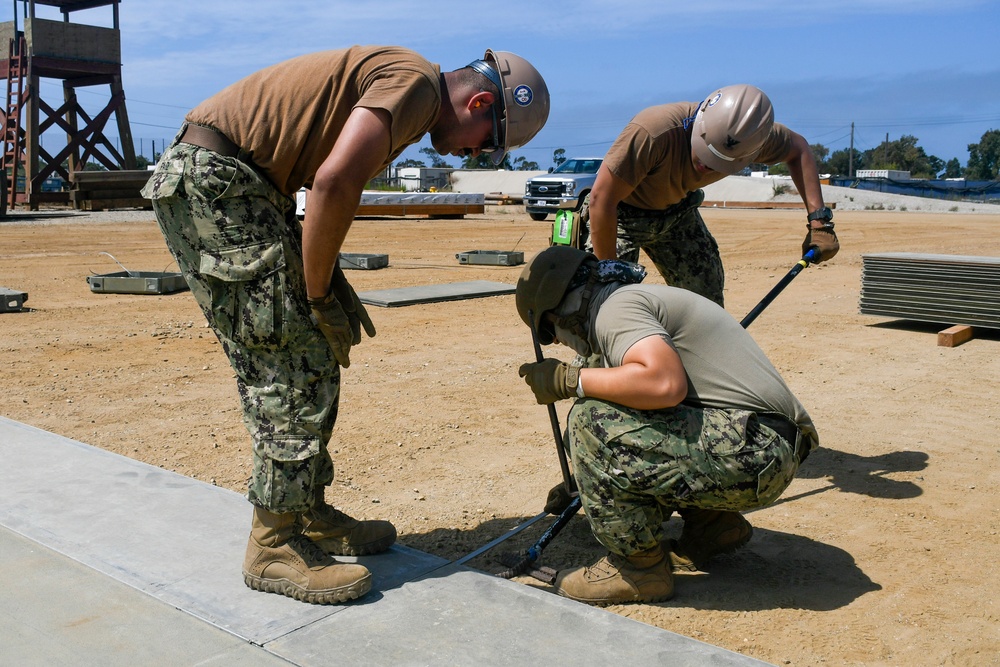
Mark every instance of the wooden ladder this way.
pixel 13 137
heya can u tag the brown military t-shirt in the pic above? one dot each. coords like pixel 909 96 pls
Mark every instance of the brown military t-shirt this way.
pixel 288 116
pixel 653 155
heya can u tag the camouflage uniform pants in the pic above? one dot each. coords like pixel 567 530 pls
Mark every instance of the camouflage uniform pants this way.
pixel 676 241
pixel 238 244
pixel 635 467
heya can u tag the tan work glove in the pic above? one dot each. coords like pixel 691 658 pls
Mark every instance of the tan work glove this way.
pixel 550 379
pixel 349 301
pixel 340 316
pixel 824 239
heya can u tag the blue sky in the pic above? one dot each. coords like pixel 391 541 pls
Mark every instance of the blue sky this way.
pixel 925 68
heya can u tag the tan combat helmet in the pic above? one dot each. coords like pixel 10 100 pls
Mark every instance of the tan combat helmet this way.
pixel 525 104
pixel 543 284
pixel 731 126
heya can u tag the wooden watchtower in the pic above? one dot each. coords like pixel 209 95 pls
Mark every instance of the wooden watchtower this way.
pixel 79 55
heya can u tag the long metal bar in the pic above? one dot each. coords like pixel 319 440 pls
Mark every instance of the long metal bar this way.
pixel 553 417
pixel 509 534
pixel 806 260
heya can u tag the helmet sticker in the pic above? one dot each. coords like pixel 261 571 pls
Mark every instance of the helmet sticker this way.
pixel 715 99
pixel 523 95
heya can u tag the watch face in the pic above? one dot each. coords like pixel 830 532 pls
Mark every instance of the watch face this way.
pixel 821 214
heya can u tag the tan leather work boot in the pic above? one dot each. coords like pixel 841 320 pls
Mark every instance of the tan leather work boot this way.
pixel 280 559
pixel 642 577
pixel 341 535
pixel 707 533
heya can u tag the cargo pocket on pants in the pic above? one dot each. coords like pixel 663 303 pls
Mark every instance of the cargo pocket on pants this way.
pixel 285 472
pixel 166 179
pixel 248 292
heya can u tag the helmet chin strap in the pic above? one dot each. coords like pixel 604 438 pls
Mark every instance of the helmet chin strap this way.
pixel 577 321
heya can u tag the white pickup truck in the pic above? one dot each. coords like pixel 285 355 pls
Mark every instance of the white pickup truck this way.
pixel 563 187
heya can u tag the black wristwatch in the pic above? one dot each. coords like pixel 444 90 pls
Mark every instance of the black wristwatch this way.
pixel 821 214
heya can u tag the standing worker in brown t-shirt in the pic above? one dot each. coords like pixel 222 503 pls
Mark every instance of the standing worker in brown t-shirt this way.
pixel 273 291
pixel 647 191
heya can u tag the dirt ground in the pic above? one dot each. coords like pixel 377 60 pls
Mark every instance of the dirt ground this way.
pixel 883 551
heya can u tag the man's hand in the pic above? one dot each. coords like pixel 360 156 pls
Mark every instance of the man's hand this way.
pixel 340 316
pixel 351 304
pixel 550 379
pixel 331 319
pixel 823 239
pixel 558 499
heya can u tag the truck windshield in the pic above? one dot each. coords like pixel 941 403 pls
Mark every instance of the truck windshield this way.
pixel 577 166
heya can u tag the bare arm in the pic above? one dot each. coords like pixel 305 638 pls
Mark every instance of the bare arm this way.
pixel 805 175
pixel 605 196
pixel 362 147
pixel 651 377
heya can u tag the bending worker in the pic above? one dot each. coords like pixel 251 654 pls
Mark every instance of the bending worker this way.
pixel 647 191
pixel 687 414
pixel 273 291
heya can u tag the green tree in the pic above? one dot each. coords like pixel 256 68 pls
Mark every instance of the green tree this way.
pixel 558 156
pixel 779 169
pixel 522 163
pixel 984 158
pixel 953 169
pixel 903 154
pixel 437 162
pixel 485 161
pixel 410 162
pixel 840 162
pixel 820 152
pixel 936 165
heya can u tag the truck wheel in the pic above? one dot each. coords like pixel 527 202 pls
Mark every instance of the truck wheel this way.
pixel 538 216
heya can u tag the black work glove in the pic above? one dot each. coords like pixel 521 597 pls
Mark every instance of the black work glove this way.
pixel 550 379
pixel 824 239
pixel 340 316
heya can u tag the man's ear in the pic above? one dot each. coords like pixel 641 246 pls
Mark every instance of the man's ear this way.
pixel 480 99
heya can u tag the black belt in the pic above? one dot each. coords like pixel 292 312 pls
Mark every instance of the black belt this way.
pixel 788 430
pixel 213 140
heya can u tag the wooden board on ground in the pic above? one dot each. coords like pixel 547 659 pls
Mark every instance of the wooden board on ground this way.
pixel 954 336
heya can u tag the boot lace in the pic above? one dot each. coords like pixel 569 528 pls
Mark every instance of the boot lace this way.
pixel 310 552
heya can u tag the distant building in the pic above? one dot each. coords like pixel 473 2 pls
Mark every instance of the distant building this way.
pixel 890 174
pixel 422 179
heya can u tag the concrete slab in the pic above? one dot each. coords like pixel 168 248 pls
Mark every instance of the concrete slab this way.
pixel 55 611
pixel 407 296
pixel 180 540
pixel 99 553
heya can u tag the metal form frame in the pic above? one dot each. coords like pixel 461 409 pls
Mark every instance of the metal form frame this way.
pixel 33 56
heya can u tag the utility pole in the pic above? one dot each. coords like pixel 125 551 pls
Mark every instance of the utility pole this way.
pixel 850 155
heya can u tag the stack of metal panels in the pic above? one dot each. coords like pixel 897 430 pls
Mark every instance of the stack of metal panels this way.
pixel 943 289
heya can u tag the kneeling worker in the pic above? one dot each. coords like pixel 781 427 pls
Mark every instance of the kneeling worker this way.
pixel 688 414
